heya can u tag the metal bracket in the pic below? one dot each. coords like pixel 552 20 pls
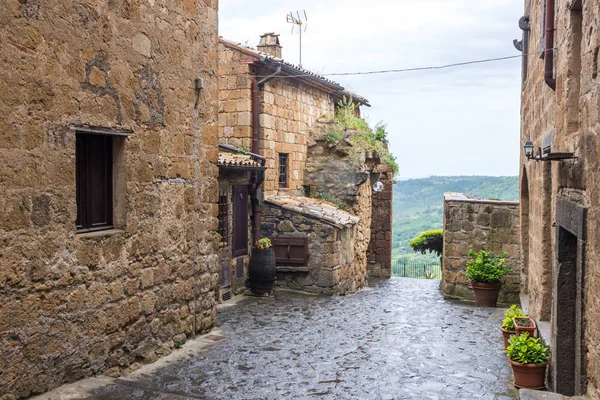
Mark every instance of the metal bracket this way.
pixel 524 23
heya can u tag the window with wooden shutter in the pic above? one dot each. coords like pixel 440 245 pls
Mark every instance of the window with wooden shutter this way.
pixel 94 182
pixel 291 251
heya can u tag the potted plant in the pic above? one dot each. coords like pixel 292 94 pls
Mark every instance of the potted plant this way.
pixel 523 323
pixel 485 270
pixel 508 326
pixel 528 358
pixel 262 270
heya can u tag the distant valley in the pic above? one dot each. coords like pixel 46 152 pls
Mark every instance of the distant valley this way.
pixel 418 205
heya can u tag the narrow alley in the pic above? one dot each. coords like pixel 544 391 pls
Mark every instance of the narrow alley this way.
pixel 398 339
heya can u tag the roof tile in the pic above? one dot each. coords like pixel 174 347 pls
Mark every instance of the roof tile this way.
pixel 315 208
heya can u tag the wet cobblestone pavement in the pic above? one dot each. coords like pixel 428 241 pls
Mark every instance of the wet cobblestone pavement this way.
pixel 398 340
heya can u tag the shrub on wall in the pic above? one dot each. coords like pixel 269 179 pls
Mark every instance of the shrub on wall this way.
pixel 432 241
pixel 367 138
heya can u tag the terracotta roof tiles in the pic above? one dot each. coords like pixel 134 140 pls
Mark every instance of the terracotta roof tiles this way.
pixel 297 70
pixel 315 208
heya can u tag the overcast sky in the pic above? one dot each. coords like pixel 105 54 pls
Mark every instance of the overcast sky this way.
pixel 460 121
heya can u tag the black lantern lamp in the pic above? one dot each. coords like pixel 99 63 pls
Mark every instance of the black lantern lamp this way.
pixel 528 146
pixel 545 154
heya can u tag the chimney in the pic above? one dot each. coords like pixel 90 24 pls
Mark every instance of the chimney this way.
pixel 269 43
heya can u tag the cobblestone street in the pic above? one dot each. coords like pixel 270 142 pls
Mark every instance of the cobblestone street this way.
pixel 398 340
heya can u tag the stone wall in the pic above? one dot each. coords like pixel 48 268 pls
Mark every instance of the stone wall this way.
pixel 235 97
pixel 571 113
pixel 479 225
pixel 344 176
pixel 334 268
pixel 74 305
pixel 289 110
pixel 379 254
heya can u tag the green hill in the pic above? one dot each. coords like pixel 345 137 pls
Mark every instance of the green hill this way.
pixel 418 205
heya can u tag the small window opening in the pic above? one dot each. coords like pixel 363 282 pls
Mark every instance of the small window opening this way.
pixel 223 229
pixel 283 170
pixel 94 182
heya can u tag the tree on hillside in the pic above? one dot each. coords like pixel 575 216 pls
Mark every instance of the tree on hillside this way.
pixel 432 241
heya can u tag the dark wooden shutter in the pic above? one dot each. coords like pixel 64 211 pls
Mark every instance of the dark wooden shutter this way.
pixel 291 251
pixel 94 182
pixel 240 220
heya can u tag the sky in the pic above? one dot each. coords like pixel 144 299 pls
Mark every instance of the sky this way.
pixel 458 121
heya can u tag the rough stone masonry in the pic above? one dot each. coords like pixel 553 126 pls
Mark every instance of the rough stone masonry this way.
pixel 560 206
pixel 471 224
pixel 71 304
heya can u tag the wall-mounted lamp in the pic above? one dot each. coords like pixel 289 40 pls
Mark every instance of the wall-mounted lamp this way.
pixel 528 146
pixel 377 187
pixel 545 155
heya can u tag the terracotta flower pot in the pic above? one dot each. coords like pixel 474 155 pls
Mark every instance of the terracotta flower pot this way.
pixel 530 376
pixel 486 294
pixel 506 335
pixel 524 324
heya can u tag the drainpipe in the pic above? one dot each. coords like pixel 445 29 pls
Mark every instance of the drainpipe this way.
pixel 257 177
pixel 549 46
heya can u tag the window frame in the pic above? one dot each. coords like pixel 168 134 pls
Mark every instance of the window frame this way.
pixel 283 170
pixel 115 176
pixel 84 169
pixel 223 213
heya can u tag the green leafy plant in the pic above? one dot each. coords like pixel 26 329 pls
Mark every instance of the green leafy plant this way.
pixel 263 243
pixel 485 267
pixel 333 136
pixel 432 241
pixel 321 195
pixel 366 138
pixel 178 343
pixel 242 149
pixel 513 312
pixel 381 132
pixel 429 275
pixel 527 350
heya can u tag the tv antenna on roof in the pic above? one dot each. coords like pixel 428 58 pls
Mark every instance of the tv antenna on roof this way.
pixel 298 21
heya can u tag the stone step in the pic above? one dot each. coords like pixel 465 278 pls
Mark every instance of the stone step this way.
pixel 529 394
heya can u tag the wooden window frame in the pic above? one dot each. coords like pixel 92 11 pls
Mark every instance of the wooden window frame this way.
pixel 116 198
pixel 86 201
pixel 283 170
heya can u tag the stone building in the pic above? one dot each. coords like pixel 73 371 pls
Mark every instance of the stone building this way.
pixel 108 188
pixel 279 112
pixel 560 195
